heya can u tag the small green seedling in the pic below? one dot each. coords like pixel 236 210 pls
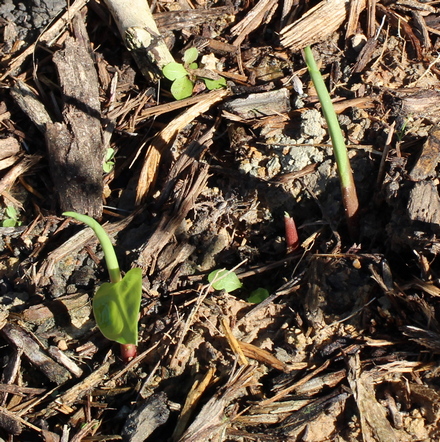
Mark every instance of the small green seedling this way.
pixel 109 160
pixel 223 279
pixel 258 295
pixel 184 76
pixel 348 188
pixel 11 217
pixel 116 304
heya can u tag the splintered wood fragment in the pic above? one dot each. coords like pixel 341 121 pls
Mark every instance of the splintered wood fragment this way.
pixel 13 423
pixel 76 149
pixel 233 343
pixel 42 312
pixel 184 19
pixel 423 103
pixel 31 349
pixel 64 401
pixel 374 423
pixel 192 399
pixel 64 360
pixel 141 36
pixel 161 141
pixel 143 420
pixel 258 354
pixel 192 183
pixel 18 170
pixel 48 36
pixel 315 25
pixel 211 421
pixel 31 105
pixel 261 13
pixel 9 147
pixel 424 203
pixel 260 105
pixel 429 157
pixel 356 7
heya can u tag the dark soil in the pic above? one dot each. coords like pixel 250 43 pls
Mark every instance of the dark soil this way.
pixel 344 348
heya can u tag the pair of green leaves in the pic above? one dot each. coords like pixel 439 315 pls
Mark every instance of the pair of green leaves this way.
pixel 180 75
pixel 11 217
pixel 228 281
pixel 116 304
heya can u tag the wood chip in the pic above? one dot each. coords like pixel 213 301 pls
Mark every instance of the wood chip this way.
pixel 32 350
pixel 316 25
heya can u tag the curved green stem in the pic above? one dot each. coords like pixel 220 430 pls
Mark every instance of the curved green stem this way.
pixel 349 195
pixel 109 252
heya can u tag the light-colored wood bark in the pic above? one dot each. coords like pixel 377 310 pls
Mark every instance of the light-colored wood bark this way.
pixel 141 36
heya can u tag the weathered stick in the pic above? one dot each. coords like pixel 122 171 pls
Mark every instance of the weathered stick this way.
pixel 141 36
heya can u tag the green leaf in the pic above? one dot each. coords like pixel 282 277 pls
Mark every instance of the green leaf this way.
pixel 182 88
pixel 224 280
pixel 9 222
pixel 109 154
pixel 193 66
pixel 258 296
pixel 174 70
pixel 108 166
pixel 116 308
pixel 215 84
pixel 190 55
pixel 11 212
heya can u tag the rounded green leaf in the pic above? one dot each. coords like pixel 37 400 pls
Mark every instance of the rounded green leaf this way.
pixel 116 308
pixel 222 279
pixel 215 84
pixel 174 70
pixel 258 295
pixel 190 55
pixel 182 88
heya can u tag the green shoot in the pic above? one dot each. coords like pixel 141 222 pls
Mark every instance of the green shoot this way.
pixel 11 217
pixel 116 304
pixel 184 76
pixel 223 279
pixel 109 162
pixel 258 295
pixel 349 195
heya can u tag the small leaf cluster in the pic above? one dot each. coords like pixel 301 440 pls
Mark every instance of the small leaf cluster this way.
pixel 183 77
pixel 11 217
pixel 222 279
pixel 109 160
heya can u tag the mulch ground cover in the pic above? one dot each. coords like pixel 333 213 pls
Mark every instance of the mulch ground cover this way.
pixel 328 336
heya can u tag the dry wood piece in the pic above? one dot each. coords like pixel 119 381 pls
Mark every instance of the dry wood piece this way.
pixel 211 420
pixel 356 7
pixel 31 349
pixel 429 157
pixel 374 424
pixel 30 104
pixel 261 13
pixel 178 20
pixel 64 401
pixel 192 184
pixel 76 150
pixel 149 170
pixel 421 103
pixel 424 203
pixel 260 105
pixel 141 36
pixel 8 147
pixel 316 25
pixel 141 422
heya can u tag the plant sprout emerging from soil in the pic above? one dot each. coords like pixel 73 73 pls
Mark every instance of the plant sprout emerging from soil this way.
pixel 184 75
pixel 227 280
pixel 116 303
pixel 349 195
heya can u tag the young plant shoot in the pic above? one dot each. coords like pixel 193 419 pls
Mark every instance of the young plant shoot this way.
pixel 349 195
pixel 116 303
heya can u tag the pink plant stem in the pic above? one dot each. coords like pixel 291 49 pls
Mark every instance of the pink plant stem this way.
pixel 292 240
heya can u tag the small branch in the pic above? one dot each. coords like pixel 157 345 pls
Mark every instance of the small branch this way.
pixel 141 36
